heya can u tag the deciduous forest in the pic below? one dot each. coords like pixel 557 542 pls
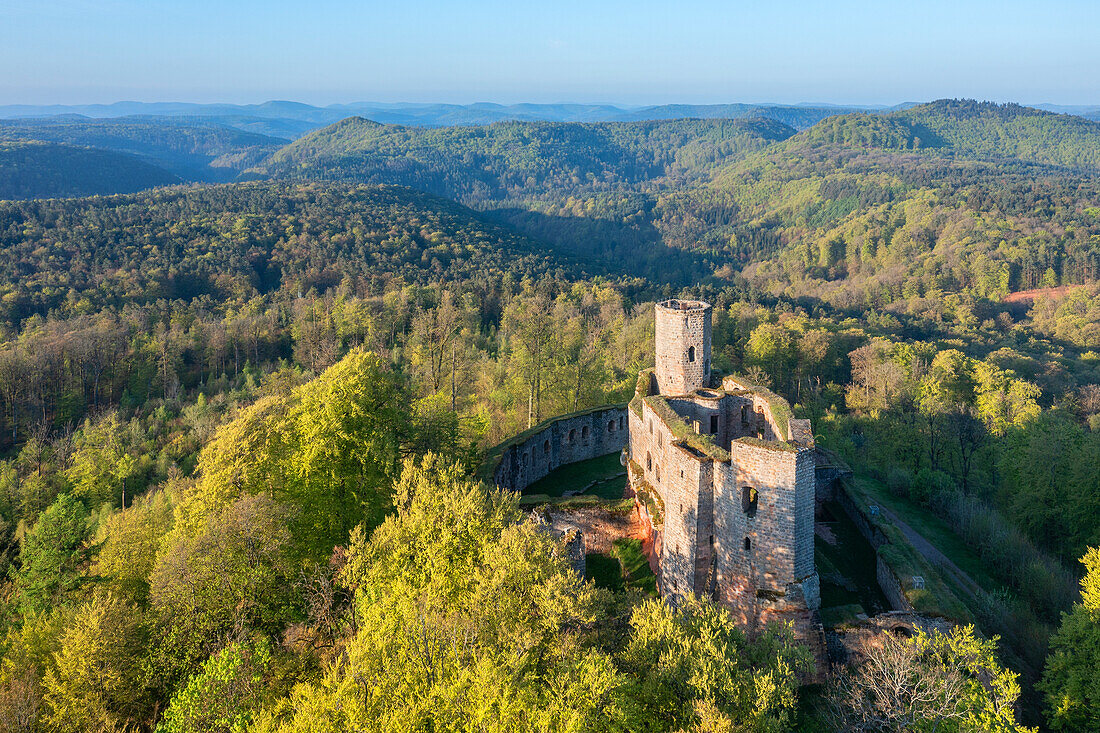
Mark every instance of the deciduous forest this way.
pixel 239 422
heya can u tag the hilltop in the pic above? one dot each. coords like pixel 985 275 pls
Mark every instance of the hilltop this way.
pixel 510 159
pixel 30 170
pixel 193 151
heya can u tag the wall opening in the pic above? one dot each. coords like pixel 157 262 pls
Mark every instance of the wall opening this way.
pixel 610 426
pixel 713 424
pixel 748 544
pixel 584 433
pixel 648 461
pixel 657 473
pixel 546 446
pixel 620 423
pixel 750 500
pixel 572 434
pixel 691 353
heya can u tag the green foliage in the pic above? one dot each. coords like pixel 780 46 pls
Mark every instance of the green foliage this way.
pixel 694 667
pixel 223 695
pixel 51 556
pixel 94 681
pixel 510 159
pixel 933 681
pixel 329 448
pixel 1072 677
pixel 191 151
pixel 31 170
pixel 232 573
pixel 501 586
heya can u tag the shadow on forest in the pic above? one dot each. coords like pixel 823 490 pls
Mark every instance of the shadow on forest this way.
pixel 611 248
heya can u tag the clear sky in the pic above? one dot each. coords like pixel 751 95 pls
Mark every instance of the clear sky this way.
pixel 617 51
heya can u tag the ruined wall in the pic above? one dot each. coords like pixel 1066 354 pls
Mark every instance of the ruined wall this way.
pixel 770 547
pixel 683 333
pixel 561 441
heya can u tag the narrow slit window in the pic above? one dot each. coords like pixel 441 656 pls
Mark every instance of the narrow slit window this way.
pixel 713 424
pixel 748 544
pixel 691 353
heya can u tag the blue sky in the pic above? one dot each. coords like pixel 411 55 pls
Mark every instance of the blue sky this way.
pixel 639 52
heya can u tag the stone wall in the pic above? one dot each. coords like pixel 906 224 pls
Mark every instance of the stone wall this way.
pixel 560 441
pixel 769 548
pixel 683 332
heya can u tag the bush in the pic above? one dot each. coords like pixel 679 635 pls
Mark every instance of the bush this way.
pixel 900 481
pixel 928 483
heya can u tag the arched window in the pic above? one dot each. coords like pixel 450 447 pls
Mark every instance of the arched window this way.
pixel 691 353
pixel 648 461
pixel 610 426
pixel 546 446
pixel 584 433
pixel 572 434
pixel 748 544
pixel 749 500
pixel 620 423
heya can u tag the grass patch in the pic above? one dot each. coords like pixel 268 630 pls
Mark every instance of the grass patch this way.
pixel 841 615
pixel 606 472
pixel 635 565
pixel 604 570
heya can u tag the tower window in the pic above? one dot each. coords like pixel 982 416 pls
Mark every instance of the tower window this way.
pixel 620 423
pixel 749 500
pixel 648 461
pixel 748 544
pixel 657 473
pixel 691 353
pixel 546 446
pixel 584 433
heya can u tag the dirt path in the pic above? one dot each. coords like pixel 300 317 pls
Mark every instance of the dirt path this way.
pixel 933 555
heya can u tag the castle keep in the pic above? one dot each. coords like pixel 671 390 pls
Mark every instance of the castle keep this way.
pixel 727 477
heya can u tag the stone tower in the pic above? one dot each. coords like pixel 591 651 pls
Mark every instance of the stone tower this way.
pixel 683 346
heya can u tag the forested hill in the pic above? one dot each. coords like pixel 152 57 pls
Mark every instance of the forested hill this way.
pixel 194 151
pixel 46 170
pixel 232 241
pixel 969 129
pixel 514 159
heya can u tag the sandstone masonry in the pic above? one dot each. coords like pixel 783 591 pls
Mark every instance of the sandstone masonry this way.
pixel 734 478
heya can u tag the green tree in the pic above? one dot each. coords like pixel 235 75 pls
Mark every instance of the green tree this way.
pixel 95 681
pixel 223 695
pixel 694 668
pixel 1071 681
pixel 52 555
pixel 950 682
pixel 469 617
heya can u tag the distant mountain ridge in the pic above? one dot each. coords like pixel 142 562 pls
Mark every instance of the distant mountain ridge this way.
pixel 968 129
pixel 192 150
pixel 281 117
pixel 505 159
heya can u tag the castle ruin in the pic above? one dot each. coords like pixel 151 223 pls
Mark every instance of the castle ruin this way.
pixel 727 476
